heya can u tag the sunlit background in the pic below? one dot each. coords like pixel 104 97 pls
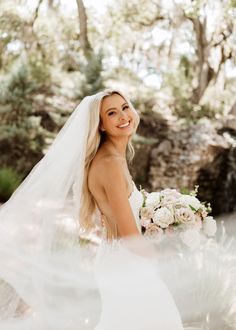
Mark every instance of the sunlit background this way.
pixel 176 60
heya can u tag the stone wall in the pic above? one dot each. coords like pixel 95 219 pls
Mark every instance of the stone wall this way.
pixel 178 155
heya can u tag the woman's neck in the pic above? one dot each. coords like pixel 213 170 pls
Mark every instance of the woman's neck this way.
pixel 118 147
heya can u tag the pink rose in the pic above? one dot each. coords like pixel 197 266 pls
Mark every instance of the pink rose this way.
pixel 153 231
pixel 184 215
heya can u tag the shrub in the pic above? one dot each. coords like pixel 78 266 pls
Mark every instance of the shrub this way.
pixel 9 181
pixel 21 140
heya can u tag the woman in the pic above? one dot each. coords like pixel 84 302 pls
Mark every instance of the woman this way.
pixel 118 122
pixel 111 189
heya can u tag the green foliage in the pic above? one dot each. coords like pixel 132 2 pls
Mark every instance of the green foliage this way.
pixel 43 60
pixel 11 29
pixel 28 76
pixel 21 141
pixel 9 181
pixel 19 148
pixel 193 9
pixel 93 80
pixel 180 82
pixel 233 3
pixel 38 72
pixel 184 108
pixel 185 68
pixel 184 190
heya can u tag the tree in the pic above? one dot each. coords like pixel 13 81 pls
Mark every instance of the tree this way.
pixel 207 43
pixel 93 66
pixel 187 46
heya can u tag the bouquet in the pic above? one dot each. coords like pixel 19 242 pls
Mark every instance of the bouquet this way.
pixel 170 213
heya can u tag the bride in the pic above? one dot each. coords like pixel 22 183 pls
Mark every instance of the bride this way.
pixel 51 278
pixel 111 188
pixel 109 183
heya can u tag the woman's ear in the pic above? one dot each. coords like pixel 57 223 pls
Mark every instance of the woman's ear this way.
pixel 101 128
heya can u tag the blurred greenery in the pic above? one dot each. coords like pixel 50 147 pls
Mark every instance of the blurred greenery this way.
pixel 175 59
pixel 9 181
pixel 21 138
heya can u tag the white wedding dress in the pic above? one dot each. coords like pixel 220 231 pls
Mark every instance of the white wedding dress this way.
pixel 133 295
pixel 122 288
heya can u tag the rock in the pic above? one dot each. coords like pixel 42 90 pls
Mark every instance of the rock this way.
pixel 153 126
pixel 151 130
pixel 230 122
pixel 196 154
pixel 140 172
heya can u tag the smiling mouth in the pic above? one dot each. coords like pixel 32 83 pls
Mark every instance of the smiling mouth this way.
pixel 125 125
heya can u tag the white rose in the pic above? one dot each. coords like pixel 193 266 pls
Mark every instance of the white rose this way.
pixel 168 200
pixel 209 226
pixel 146 214
pixel 145 222
pixel 190 201
pixel 163 217
pixel 184 215
pixel 173 192
pixel 191 238
pixel 169 196
pixel 153 231
pixel 153 198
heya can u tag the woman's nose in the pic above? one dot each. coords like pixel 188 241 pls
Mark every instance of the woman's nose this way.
pixel 123 116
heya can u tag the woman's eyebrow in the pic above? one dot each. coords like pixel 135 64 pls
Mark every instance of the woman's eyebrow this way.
pixel 115 108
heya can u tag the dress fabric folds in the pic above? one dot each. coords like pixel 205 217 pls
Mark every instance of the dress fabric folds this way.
pixel 133 294
pixel 125 284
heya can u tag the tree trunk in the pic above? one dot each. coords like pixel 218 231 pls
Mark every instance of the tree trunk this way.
pixel 205 72
pixel 84 41
pixel 36 13
pixel 52 4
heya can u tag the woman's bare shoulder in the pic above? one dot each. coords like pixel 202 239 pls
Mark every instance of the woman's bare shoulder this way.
pixel 103 166
pixel 108 165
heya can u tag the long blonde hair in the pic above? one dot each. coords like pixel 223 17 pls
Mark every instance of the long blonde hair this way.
pixel 94 141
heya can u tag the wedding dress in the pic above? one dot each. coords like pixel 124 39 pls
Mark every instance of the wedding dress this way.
pixel 133 295
pixel 174 289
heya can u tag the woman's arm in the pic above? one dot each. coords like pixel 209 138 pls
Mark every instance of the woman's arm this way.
pixel 113 180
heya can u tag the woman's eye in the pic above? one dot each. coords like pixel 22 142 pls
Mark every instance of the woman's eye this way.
pixel 126 107
pixel 111 113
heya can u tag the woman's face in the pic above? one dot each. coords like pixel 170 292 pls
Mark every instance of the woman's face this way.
pixel 117 119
